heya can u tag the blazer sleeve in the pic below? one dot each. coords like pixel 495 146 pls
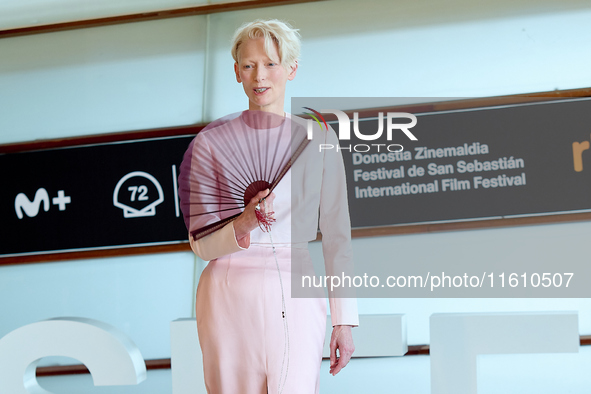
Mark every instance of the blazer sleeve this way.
pixel 335 226
pixel 219 243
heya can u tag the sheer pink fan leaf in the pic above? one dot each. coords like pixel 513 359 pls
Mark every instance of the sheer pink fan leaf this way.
pixel 229 162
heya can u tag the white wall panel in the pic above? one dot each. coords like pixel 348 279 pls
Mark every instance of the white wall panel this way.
pixel 24 13
pixel 138 295
pixel 418 49
pixel 115 78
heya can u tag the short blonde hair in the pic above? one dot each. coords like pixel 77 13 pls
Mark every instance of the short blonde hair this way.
pixel 273 31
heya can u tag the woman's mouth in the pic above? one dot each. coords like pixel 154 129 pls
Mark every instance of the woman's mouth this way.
pixel 260 90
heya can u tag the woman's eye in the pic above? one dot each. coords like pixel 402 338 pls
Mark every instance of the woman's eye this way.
pixel 272 64
pixel 247 66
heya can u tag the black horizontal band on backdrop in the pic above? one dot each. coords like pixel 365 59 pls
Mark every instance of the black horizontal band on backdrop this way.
pixel 356 233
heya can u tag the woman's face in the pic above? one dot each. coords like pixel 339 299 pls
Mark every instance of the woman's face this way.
pixel 262 78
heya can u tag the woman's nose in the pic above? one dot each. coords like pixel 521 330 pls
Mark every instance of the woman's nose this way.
pixel 261 74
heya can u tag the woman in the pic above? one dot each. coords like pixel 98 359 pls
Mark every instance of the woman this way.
pixel 251 342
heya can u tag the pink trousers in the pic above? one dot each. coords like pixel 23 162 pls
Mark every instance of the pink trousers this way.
pixel 241 330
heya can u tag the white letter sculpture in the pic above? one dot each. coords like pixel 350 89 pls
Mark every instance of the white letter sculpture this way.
pixel 110 356
pixel 457 338
pixel 186 358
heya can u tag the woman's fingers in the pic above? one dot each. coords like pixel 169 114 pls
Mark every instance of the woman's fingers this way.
pixel 341 339
pixel 267 204
pixel 248 221
pixel 259 196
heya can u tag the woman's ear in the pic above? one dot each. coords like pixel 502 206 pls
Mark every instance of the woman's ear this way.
pixel 293 71
pixel 237 71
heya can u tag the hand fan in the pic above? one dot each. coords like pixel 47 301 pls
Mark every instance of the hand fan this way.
pixel 230 161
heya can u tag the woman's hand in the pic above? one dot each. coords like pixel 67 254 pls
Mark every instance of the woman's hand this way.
pixel 247 221
pixel 341 339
